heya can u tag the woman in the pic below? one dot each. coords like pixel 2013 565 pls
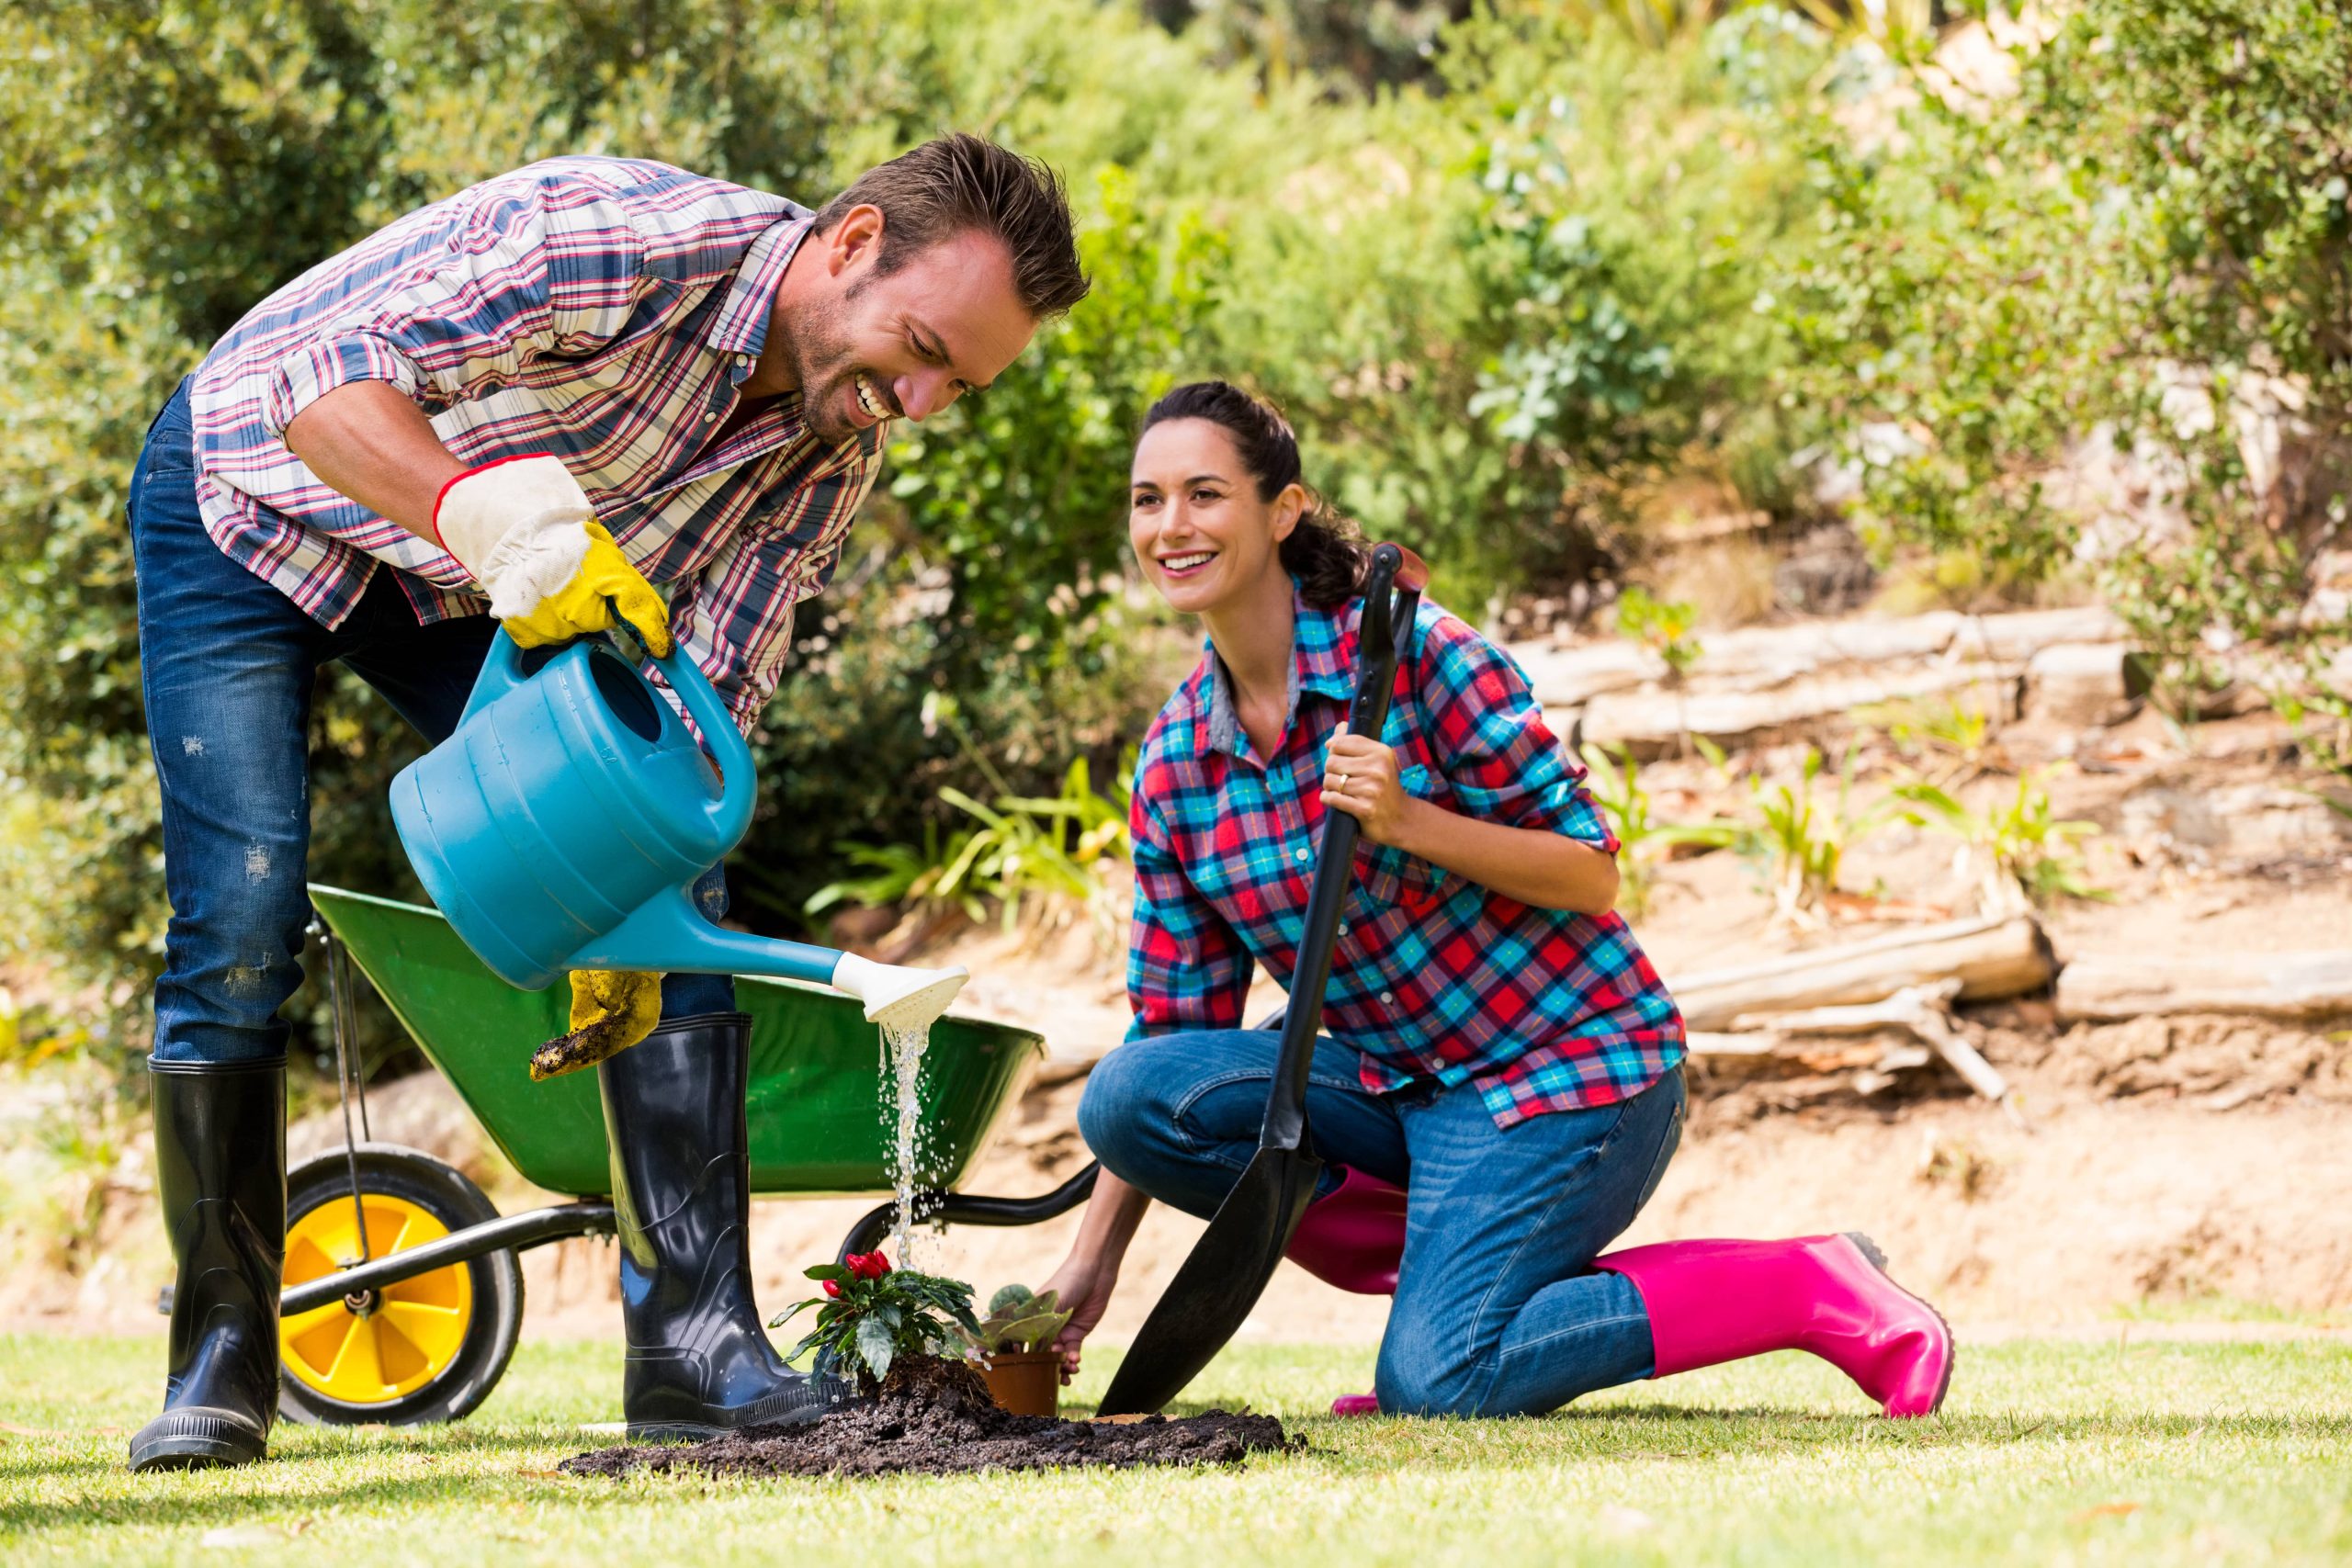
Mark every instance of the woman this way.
pixel 1497 1043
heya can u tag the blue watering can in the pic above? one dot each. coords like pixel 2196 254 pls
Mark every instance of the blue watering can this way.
pixel 562 824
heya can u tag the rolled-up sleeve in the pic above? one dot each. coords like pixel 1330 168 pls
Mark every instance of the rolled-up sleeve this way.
pixel 1186 966
pixel 1503 761
pixel 542 265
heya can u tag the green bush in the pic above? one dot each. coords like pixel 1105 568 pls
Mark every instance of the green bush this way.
pixel 1580 250
pixel 169 165
pixel 2150 231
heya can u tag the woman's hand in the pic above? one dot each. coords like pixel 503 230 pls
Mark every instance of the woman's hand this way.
pixel 1083 1286
pixel 1359 777
pixel 1533 866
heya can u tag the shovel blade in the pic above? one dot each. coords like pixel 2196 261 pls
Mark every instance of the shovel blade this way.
pixel 1211 1295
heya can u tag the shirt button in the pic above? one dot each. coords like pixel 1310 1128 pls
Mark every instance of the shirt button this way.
pixel 742 359
pixel 1387 996
pixel 708 415
pixel 1302 854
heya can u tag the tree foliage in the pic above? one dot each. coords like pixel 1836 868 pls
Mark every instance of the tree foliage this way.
pixel 1510 270
pixel 2144 242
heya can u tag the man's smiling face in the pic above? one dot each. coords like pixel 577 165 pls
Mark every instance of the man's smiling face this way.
pixel 865 347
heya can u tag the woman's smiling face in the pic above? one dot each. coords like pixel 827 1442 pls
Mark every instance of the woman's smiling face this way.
pixel 1200 529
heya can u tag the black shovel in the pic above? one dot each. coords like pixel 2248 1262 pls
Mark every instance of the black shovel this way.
pixel 1227 1270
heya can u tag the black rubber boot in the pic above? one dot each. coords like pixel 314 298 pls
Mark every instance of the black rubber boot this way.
pixel 221 1175
pixel 698 1362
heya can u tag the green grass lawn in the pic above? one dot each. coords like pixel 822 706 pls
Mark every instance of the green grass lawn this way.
pixel 2116 1452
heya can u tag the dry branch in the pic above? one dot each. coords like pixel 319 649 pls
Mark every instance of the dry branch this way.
pixel 2281 985
pixel 1989 958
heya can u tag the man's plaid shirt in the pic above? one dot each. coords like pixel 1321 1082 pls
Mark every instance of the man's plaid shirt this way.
pixel 1435 978
pixel 597 310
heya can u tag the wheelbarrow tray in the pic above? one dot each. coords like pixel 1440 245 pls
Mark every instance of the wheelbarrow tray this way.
pixel 820 1122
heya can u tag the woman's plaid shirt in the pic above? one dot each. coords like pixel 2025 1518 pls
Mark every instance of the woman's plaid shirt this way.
pixel 597 309
pixel 1435 979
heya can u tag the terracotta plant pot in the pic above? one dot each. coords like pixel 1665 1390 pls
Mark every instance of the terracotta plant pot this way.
pixel 1026 1383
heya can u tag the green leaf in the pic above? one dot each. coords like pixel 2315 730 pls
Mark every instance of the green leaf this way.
pixel 876 1347
pixel 1029 1332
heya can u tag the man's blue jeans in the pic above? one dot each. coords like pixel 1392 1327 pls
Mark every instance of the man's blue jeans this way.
pixel 228 664
pixel 1498 1310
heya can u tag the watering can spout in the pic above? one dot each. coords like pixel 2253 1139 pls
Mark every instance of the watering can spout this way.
pixel 896 993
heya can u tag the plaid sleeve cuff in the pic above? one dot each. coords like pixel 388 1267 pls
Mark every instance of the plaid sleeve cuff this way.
pixel 1566 808
pixel 320 366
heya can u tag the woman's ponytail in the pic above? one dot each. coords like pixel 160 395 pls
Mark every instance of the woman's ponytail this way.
pixel 1326 551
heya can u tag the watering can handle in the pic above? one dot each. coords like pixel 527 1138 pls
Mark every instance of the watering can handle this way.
pixel 501 672
pixel 731 813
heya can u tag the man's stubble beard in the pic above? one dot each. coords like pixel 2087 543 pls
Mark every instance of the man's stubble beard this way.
pixel 816 348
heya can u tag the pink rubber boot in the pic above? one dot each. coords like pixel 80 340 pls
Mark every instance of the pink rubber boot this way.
pixel 1353 1238
pixel 1711 1302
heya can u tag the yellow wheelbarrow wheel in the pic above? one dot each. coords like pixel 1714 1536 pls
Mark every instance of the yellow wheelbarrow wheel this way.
pixel 427 1349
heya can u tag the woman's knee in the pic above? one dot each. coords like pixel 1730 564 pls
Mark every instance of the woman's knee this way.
pixel 1143 1116
pixel 1418 1379
pixel 1122 1105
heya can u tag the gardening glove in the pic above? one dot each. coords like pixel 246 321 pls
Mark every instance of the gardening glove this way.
pixel 612 1009
pixel 524 528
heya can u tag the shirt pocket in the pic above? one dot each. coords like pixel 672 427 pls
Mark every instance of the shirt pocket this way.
pixel 1387 879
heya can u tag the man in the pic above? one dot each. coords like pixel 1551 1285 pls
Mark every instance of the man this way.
pixel 559 391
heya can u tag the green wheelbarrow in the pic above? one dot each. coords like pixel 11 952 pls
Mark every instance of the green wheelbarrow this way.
pixel 402 1295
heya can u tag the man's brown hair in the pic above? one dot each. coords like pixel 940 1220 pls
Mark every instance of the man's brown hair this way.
pixel 958 182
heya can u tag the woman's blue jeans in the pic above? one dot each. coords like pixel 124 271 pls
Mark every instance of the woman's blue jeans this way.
pixel 1497 1310
pixel 228 664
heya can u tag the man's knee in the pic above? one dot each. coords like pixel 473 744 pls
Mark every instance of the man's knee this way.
pixel 240 949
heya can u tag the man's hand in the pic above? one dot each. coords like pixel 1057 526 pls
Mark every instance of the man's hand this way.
pixel 525 529
pixel 612 1009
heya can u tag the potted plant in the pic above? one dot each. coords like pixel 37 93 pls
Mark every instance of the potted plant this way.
pixel 872 1316
pixel 1012 1348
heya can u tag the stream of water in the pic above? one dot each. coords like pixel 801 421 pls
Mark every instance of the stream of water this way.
pixel 904 1040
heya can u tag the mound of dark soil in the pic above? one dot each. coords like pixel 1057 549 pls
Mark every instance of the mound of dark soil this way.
pixel 936 1418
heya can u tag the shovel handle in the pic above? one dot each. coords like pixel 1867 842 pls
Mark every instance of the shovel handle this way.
pixel 1386 627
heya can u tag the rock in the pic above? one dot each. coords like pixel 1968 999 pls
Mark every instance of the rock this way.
pixel 2022 635
pixel 2077 683
pixel 2253 824
pixel 1653 721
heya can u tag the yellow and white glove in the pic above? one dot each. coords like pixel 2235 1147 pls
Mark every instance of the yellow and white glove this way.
pixel 524 528
pixel 612 1009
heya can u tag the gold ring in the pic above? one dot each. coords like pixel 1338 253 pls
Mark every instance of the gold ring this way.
pixel 1342 785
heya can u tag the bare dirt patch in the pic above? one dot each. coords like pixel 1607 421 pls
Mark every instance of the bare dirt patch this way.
pixel 936 1418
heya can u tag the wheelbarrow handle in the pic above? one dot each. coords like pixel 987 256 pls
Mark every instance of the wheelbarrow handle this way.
pixel 1386 627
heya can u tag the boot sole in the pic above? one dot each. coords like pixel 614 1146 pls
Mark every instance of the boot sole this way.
pixel 173 1442
pixel 1873 1255
pixel 703 1431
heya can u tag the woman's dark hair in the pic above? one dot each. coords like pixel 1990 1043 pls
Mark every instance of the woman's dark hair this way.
pixel 1326 552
